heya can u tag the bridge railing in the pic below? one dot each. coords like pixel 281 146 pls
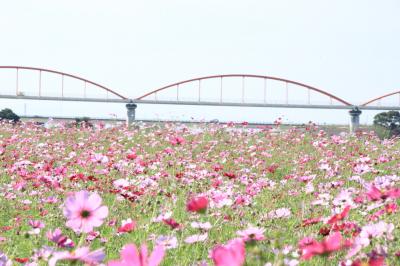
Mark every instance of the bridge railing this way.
pixel 20 81
pixel 390 99
pixel 241 88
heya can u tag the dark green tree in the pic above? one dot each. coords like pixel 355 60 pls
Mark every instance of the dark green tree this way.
pixel 83 121
pixel 389 121
pixel 8 114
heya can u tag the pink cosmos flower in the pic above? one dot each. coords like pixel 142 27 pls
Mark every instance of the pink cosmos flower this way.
pixel 375 194
pixel 252 234
pixel 131 257
pixel 231 254
pixel 168 150
pixel 176 140
pixel 376 261
pixel 172 223
pixel 84 211
pixel 127 226
pixel 36 226
pixel 131 156
pixel 340 216
pixel 310 247
pixel 391 208
pixel 82 254
pixel 61 240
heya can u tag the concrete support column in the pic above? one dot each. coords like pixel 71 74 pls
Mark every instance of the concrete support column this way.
pixel 131 107
pixel 354 119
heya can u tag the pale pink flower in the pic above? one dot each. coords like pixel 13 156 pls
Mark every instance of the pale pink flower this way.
pixel 361 168
pixel 36 226
pixel 82 254
pixel 309 188
pixel 130 256
pixel 50 199
pixel 84 211
pixel 121 183
pixel 231 254
pixel 203 226
pixel 42 254
pixel 291 262
pixel 344 198
pixel 251 234
pixel 162 217
pixel 196 238
pixel 99 158
pixel 168 242
pixel 307 178
pixel 383 159
pixel 4 261
pixel 279 213
pixel 368 232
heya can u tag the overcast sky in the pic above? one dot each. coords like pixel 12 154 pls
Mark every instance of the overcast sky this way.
pixel 349 48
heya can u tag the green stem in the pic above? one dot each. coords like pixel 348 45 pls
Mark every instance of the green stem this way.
pixel 81 240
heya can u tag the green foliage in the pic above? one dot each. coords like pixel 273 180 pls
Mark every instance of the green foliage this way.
pixel 382 132
pixel 8 114
pixel 83 121
pixel 387 124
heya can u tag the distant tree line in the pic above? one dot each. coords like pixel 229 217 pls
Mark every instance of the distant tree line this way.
pixel 8 114
pixel 83 122
pixel 387 124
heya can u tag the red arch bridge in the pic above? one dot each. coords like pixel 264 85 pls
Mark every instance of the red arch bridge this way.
pixel 250 91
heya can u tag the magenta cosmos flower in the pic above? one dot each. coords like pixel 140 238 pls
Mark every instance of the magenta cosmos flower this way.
pixel 130 256
pixel 197 204
pixel 84 211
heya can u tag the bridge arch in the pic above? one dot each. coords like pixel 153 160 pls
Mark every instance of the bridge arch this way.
pixel 62 74
pixel 380 97
pixel 243 76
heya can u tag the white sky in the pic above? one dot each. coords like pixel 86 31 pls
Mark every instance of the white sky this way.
pixel 349 48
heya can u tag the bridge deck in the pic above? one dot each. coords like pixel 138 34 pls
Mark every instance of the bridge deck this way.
pixel 200 103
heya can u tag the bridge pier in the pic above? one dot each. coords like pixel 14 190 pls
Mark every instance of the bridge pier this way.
pixel 131 107
pixel 354 119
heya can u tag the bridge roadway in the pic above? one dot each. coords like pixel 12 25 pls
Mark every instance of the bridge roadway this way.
pixel 201 103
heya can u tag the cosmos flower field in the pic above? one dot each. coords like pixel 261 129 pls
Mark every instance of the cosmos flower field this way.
pixel 208 194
